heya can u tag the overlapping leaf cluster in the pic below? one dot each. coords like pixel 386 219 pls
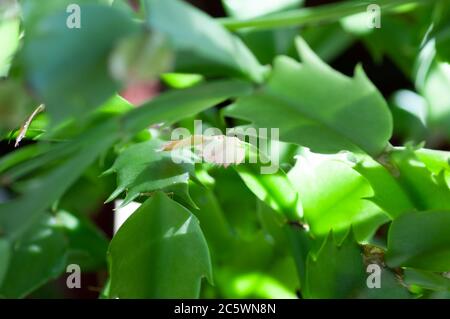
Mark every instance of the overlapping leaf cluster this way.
pixel 343 197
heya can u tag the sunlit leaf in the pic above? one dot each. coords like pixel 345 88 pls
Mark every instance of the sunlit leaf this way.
pixel 306 116
pixel 404 183
pixel 9 34
pixel 253 8
pixel 335 197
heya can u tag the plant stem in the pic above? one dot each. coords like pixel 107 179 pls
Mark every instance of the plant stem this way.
pixel 325 13
pixel 300 246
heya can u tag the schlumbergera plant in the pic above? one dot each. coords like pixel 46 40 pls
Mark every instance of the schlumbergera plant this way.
pixel 341 199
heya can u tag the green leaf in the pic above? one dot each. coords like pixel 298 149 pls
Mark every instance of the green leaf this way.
pixel 437 162
pixel 35 11
pixel 265 44
pixel 15 106
pixel 83 83
pixel 159 252
pixel 181 80
pixel 192 31
pixel 229 189
pixel 245 9
pixel 426 280
pixel 389 194
pixel 82 151
pixel 420 240
pixel 40 255
pixel 256 268
pixel 409 110
pixel 405 183
pixel 434 90
pixel 294 101
pixel 91 188
pixel 273 188
pixel 441 30
pixel 328 41
pixel 432 77
pixel 269 283
pixel 312 16
pixel 426 190
pixel 144 168
pixel 334 197
pixel 439 295
pixel 277 192
pixel 215 226
pixel 21 155
pixel 141 58
pixel 390 287
pixel 176 105
pixel 5 254
pixel 274 227
pixel 268 44
pixel 87 245
pixel 49 188
pixel 398 39
pixel 337 271
pixel 9 35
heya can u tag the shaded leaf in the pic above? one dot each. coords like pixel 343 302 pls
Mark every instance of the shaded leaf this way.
pixel 426 279
pixel 176 105
pixel 329 41
pixel 265 44
pixel 83 83
pixel 5 253
pixel 40 255
pixel 420 240
pixel 215 226
pixel 15 106
pixel 229 189
pixel 144 168
pixel 159 252
pixel 391 287
pixel 141 58
pixel 337 271
pixel 28 207
pixel 89 145
pixel 35 11
pixel 192 31
pixel 87 245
